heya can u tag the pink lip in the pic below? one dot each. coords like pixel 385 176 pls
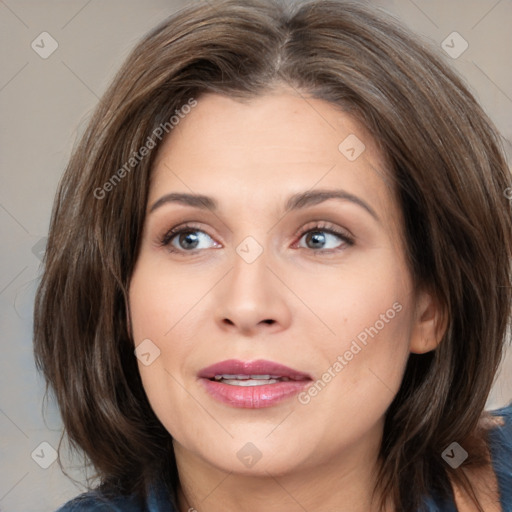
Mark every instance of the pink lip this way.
pixel 252 397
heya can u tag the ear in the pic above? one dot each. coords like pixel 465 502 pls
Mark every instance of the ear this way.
pixel 430 324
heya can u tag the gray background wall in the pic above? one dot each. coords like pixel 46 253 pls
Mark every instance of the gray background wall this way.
pixel 45 103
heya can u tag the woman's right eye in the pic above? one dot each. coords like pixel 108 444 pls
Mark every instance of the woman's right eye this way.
pixel 184 239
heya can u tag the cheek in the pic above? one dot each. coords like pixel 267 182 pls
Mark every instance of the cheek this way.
pixel 369 320
pixel 160 300
pixel 156 307
pixel 362 304
pixel 366 366
pixel 164 310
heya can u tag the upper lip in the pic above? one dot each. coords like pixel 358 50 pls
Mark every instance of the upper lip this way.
pixel 258 367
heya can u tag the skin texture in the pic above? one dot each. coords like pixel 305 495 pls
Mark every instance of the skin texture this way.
pixel 208 305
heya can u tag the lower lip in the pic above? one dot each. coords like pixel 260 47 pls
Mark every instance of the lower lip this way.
pixel 254 397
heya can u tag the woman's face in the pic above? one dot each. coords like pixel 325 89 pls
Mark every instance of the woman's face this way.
pixel 271 270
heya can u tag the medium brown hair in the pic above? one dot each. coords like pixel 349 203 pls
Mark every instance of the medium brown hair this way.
pixel 450 177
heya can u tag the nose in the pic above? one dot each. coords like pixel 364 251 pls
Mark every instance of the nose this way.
pixel 253 298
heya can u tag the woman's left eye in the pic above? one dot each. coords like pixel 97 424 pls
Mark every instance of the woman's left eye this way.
pixel 323 234
pixel 318 237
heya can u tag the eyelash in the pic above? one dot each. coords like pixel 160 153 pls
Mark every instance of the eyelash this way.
pixel 324 227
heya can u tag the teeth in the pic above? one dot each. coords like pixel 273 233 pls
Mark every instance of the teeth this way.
pixel 245 377
pixel 226 376
pixel 250 380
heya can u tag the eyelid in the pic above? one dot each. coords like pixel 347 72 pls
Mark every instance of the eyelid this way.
pixel 175 230
pixel 323 225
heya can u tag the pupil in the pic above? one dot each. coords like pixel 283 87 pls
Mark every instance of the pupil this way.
pixel 317 237
pixel 190 235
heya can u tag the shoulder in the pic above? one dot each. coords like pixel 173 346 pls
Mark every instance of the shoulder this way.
pixel 492 483
pixel 94 500
pixel 499 428
pixel 503 417
pixel 500 446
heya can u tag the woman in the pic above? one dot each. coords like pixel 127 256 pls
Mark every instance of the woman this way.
pixel 329 339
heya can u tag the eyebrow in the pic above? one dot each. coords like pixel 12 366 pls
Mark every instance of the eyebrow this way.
pixel 295 202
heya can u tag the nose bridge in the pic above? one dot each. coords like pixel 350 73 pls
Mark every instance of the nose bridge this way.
pixel 251 296
pixel 250 274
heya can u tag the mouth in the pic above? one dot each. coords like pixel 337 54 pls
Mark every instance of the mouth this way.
pixel 252 384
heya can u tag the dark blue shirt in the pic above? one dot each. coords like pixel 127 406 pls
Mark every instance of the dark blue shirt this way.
pixel 158 501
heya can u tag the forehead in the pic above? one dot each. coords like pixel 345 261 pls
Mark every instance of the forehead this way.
pixel 259 151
